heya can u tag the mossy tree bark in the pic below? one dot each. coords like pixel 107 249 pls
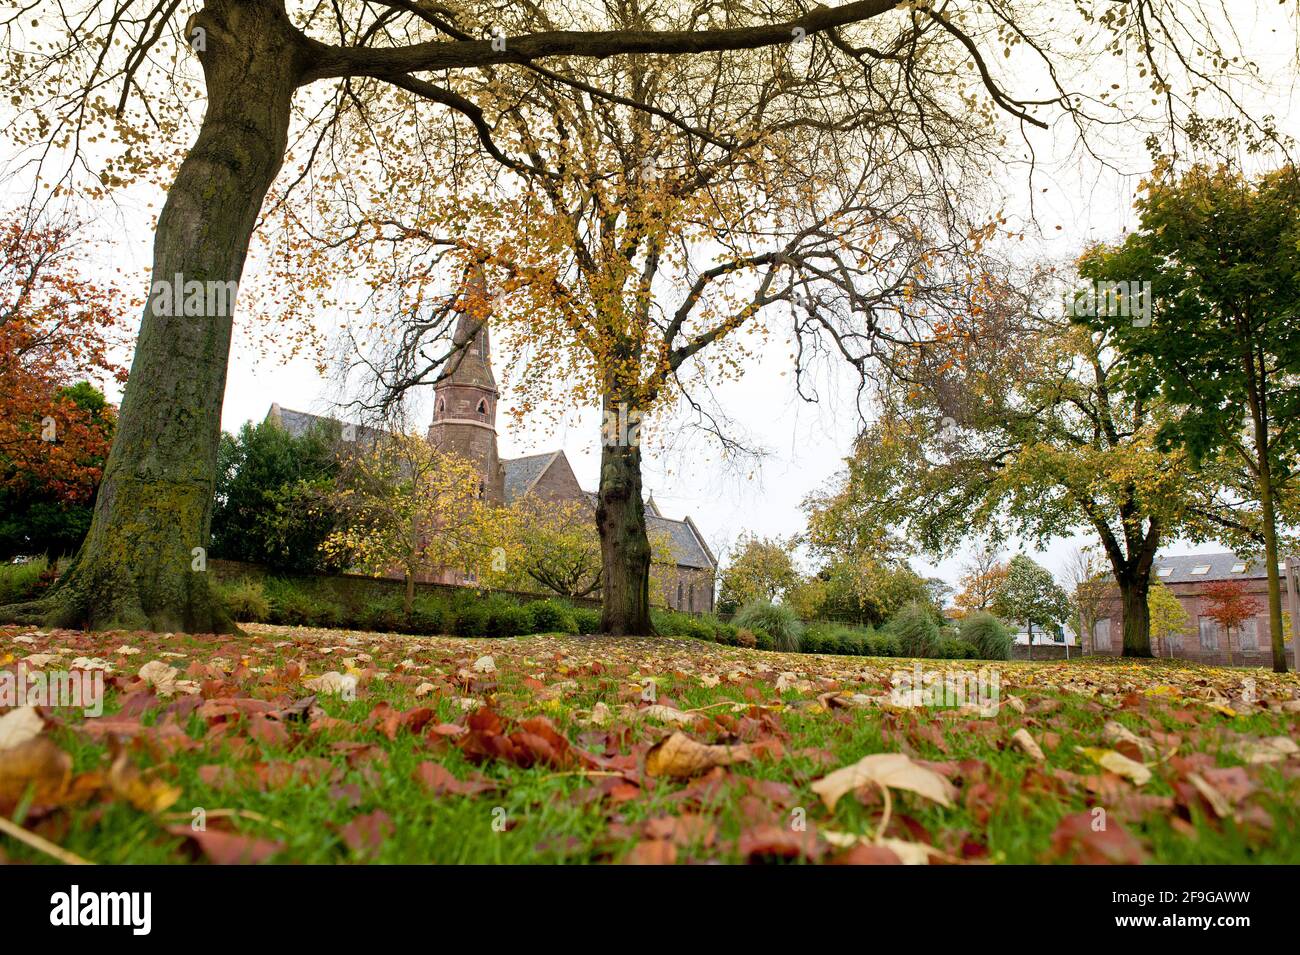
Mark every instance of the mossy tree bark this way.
pixel 143 563
pixel 624 544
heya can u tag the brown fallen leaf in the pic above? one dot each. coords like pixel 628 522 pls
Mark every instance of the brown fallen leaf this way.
pixel 228 848
pixel 1078 838
pixel 439 780
pixel 681 756
pixel 892 770
pixel 652 852
pixel 1117 734
pixel 146 793
pixel 1026 743
pixel 38 763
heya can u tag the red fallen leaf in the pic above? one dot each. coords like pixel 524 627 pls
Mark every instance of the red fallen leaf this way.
pixel 1135 805
pixel 1076 838
pixel 444 730
pixel 1050 740
pixel 133 704
pixel 768 843
pixel 228 848
pixel 682 830
pixel 367 833
pixel 268 732
pixel 652 852
pixel 219 777
pixel 439 780
pixel 980 800
pixel 767 748
pixel 1232 781
pixel 349 793
pixel 867 855
pixel 115 725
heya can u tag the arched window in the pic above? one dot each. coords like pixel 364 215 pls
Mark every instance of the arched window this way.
pixel 690 598
pixel 442 407
pixel 482 407
pixel 480 490
pixel 679 595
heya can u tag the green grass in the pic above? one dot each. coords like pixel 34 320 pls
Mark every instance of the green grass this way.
pixel 548 820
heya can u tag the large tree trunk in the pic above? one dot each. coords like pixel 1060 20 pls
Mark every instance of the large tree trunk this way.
pixel 1133 591
pixel 624 545
pixel 143 563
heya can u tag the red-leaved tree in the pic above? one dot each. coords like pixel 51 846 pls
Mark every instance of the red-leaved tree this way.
pixel 56 328
pixel 1229 606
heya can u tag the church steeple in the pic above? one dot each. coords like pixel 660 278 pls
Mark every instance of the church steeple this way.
pixel 465 402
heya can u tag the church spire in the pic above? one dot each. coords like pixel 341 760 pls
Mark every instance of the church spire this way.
pixel 465 401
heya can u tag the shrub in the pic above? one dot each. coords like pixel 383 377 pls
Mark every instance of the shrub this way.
pixel 470 620
pixel 780 623
pixel 587 619
pixel 764 640
pixel 724 633
pixel 988 635
pixel 22 581
pixel 547 616
pixel 814 641
pixel 882 645
pixel 290 604
pixel 746 638
pixel 505 618
pixel 245 599
pixel 915 630
pixel 428 615
pixel 383 613
pixel 956 650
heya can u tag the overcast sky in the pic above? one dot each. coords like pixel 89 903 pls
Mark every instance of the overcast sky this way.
pixel 1075 201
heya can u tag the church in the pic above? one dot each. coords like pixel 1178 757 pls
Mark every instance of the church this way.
pixel 464 421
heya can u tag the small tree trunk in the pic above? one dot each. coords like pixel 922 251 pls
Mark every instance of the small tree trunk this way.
pixel 143 562
pixel 1133 590
pixel 624 545
pixel 1277 638
pixel 408 599
pixel 1031 639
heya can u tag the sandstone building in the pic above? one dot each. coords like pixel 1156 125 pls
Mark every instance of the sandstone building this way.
pixel 464 421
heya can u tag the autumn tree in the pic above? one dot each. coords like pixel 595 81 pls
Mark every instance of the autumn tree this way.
pixel 1169 621
pixel 405 506
pixel 57 328
pixel 554 545
pixel 124 76
pixel 1088 585
pixel 760 568
pixel 1016 422
pixel 980 580
pixel 1229 605
pixel 1219 252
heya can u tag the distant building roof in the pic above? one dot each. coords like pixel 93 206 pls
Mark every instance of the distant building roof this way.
pixel 299 423
pixel 522 473
pixel 1191 568
pixel 684 538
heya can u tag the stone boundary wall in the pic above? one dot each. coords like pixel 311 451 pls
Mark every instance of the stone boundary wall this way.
pixel 357 588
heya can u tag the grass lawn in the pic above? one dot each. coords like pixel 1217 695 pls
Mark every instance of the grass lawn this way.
pixel 539 754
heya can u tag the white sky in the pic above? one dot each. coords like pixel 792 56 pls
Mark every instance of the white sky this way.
pixel 806 442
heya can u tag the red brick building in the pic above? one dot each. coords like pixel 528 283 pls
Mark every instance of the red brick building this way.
pixel 1205 641
pixel 464 421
